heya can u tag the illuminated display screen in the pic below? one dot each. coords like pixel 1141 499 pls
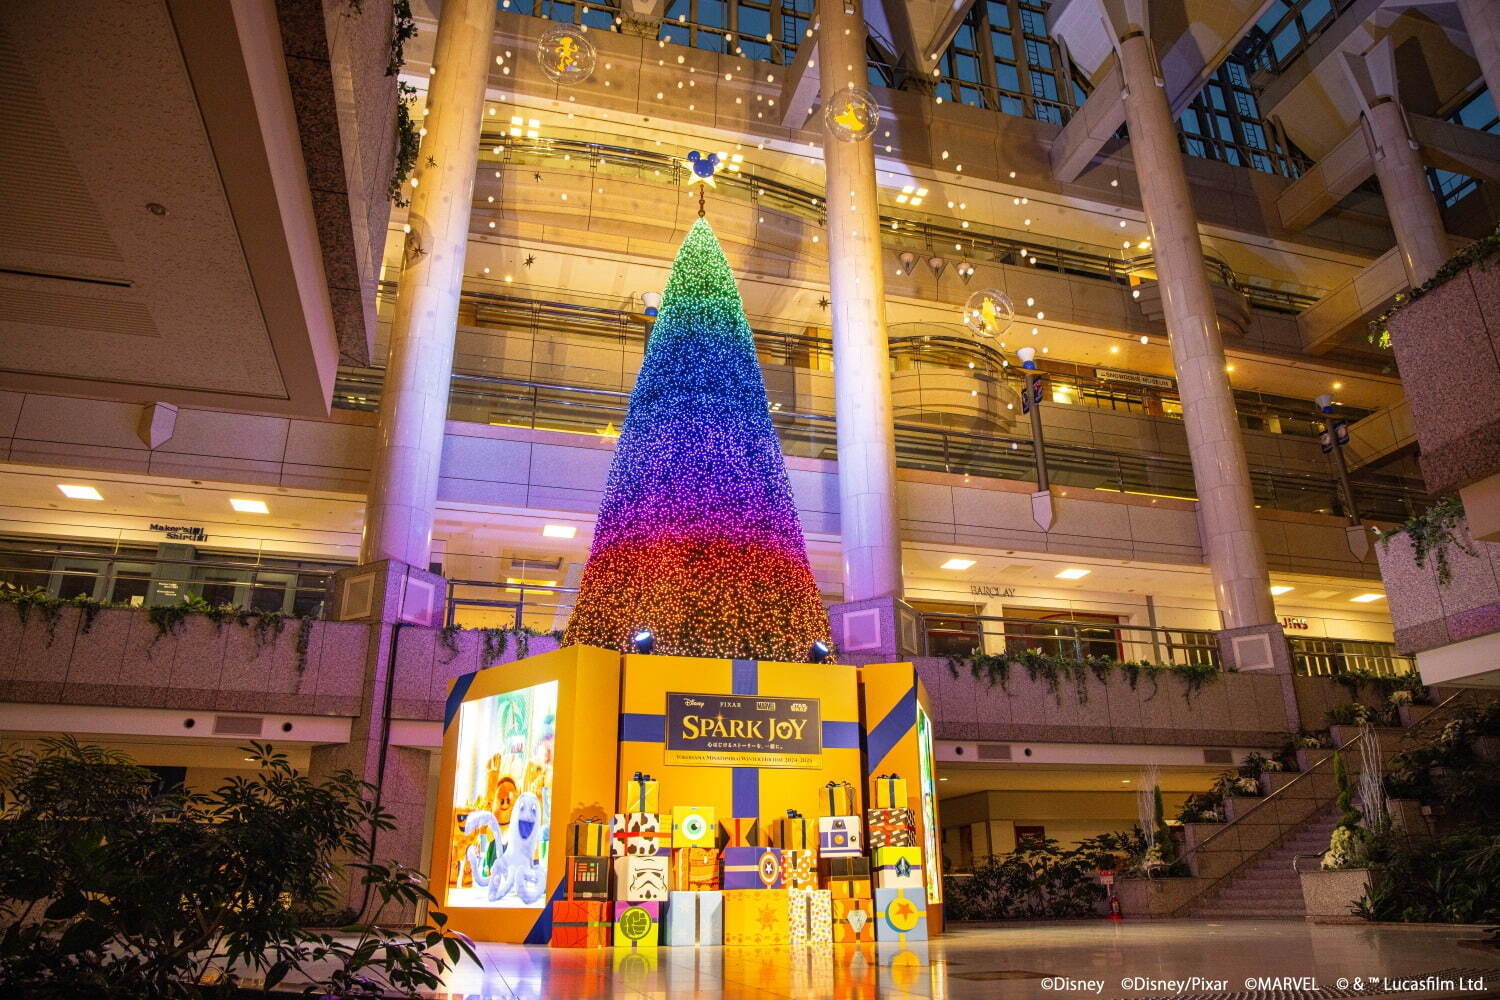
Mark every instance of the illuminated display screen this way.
pixel 933 870
pixel 502 799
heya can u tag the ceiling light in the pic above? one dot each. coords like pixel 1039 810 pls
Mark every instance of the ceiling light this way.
pixel 559 531
pixel 957 563
pixel 1073 574
pixel 1278 591
pixel 1367 598
pixel 79 492
pixel 249 506
pixel 1338 385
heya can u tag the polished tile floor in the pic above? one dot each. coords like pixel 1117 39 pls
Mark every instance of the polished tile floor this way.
pixel 1286 959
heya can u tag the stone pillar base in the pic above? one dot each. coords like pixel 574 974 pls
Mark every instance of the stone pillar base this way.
pixel 403 794
pixel 388 591
pixel 877 630
pixel 1263 649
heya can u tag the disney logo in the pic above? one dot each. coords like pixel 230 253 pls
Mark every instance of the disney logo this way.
pixel 693 702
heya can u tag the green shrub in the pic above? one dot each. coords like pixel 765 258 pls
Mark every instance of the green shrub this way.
pixel 1039 880
pixel 1455 880
pixel 114 888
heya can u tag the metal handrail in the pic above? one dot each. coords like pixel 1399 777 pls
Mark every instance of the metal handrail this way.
pixel 974 452
pixel 1321 803
pixel 1156 636
pixel 616 322
pixel 309 578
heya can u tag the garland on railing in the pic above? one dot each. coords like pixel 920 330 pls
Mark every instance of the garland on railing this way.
pixel 494 641
pixel 1053 670
pixel 1476 253
pixel 1432 533
pixel 49 607
pixel 169 619
pixel 1355 680
pixel 266 626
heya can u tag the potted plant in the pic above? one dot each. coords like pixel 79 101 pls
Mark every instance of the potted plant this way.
pixel 1344 875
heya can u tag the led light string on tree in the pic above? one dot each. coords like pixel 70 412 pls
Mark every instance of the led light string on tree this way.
pixel 698 545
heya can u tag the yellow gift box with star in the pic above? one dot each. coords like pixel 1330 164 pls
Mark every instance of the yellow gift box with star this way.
pixel 757 917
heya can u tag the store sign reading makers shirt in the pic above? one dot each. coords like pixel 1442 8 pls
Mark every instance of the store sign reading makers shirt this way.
pixel 743 730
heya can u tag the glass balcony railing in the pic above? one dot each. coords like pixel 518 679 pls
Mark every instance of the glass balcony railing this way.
pixel 959 635
pixel 593 412
pixel 591 343
pixel 904 230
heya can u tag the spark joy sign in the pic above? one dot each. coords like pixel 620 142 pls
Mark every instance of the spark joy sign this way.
pixel 743 730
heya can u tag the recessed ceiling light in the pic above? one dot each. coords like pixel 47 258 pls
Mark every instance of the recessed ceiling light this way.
pixel 1367 598
pixel 249 506
pixel 79 492
pixel 956 563
pixel 1278 591
pixel 1073 574
pixel 559 531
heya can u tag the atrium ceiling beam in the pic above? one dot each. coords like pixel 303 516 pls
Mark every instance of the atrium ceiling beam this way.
pixel 1193 37
pixel 934 33
pixel 1441 144
pixel 799 87
pixel 1327 182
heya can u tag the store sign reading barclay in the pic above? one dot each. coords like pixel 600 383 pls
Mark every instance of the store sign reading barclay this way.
pixel 743 730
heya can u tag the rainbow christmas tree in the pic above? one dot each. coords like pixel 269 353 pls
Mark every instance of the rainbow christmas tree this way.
pixel 698 538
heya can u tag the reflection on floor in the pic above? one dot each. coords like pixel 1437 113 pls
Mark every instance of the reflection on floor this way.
pixel 1098 958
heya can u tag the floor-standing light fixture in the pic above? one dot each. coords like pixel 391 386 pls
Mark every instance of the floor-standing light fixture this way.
pixel 1333 439
pixel 1031 402
pixel 1335 435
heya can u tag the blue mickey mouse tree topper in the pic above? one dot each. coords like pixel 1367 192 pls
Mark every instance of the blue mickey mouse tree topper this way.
pixel 701 167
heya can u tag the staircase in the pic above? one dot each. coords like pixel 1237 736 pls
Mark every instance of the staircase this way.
pixel 1243 868
pixel 1268 887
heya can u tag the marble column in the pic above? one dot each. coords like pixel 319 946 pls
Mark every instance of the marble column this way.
pixel 1482 21
pixel 861 356
pixel 414 401
pixel 1226 509
pixel 1420 234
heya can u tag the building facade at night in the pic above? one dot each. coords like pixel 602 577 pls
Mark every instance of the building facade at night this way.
pixel 1071 318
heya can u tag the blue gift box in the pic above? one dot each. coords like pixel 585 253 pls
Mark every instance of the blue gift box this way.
pixel 693 918
pixel 680 925
pixel 710 916
pixel 900 915
pixel 752 868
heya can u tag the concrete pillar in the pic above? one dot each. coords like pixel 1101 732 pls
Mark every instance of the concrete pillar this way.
pixel 1226 509
pixel 414 402
pixel 861 358
pixel 1482 21
pixel 1420 235
pixel 400 773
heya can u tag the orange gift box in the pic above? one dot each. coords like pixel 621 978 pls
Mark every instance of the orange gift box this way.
pixel 581 923
pixel 853 920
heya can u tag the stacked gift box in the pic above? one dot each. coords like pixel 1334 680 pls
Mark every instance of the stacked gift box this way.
pixel 687 877
pixel 872 869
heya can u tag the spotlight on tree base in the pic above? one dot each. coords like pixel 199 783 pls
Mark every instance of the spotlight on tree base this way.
pixel 643 641
pixel 821 651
